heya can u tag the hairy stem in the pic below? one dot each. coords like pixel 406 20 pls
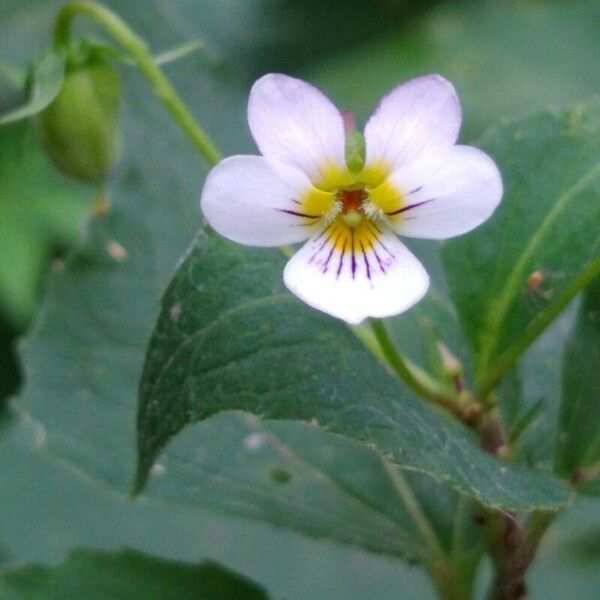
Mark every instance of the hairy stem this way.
pixel 138 50
pixel 511 543
pixel 512 547
pixel 416 379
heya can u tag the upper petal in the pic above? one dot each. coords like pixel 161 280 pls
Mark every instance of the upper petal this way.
pixel 420 113
pixel 246 201
pixel 446 192
pixel 356 273
pixel 294 123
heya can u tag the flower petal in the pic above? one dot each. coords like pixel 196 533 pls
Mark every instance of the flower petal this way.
pixel 294 123
pixel 246 201
pixel 446 192
pixel 356 273
pixel 420 113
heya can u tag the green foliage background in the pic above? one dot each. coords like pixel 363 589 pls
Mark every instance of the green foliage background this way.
pixel 86 323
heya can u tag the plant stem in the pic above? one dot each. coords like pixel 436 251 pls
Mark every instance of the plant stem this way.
pixel 138 50
pixel 512 548
pixel 416 379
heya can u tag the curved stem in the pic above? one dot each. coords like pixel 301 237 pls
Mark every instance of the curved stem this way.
pixel 138 50
pixel 416 379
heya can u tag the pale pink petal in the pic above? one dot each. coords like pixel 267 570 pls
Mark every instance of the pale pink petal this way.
pixel 420 113
pixel 246 201
pixel 354 282
pixel 294 123
pixel 448 191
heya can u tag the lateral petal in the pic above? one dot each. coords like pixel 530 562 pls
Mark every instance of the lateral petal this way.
pixel 446 192
pixel 246 201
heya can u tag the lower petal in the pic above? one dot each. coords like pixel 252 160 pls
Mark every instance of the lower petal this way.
pixel 356 273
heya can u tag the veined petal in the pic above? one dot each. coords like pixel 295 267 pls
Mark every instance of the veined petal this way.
pixel 356 273
pixel 420 113
pixel 446 192
pixel 246 201
pixel 294 123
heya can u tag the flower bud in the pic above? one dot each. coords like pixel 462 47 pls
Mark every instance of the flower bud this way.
pixel 355 151
pixel 80 129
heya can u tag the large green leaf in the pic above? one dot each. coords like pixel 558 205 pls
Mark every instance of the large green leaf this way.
pixel 40 211
pixel 513 276
pixel 298 476
pixel 327 486
pixel 39 494
pixel 230 337
pixel 127 575
pixel 578 451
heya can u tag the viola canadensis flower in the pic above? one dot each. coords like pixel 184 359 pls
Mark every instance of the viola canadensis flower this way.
pixel 411 179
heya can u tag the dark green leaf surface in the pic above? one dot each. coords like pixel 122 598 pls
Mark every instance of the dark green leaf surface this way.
pixel 230 337
pixel 40 493
pixel 300 477
pixel 39 211
pixel 578 451
pixel 290 474
pixel 44 82
pixel 513 275
pixel 127 575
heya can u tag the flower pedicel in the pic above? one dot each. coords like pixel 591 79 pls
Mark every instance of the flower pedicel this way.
pixel 414 181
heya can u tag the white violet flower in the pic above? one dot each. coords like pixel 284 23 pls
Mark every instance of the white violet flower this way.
pixel 413 180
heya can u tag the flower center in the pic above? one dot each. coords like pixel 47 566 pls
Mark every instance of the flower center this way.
pixel 351 200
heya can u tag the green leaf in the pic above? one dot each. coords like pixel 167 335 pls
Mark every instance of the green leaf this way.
pixel 578 448
pixel 126 575
pixel 298 476
pixel 109 521
pixel 44 81
pixel 512 277
pixel 40 211
pixel 230 337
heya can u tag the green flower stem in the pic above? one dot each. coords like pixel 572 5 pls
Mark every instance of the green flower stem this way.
pixel 416 379
pixel 138 50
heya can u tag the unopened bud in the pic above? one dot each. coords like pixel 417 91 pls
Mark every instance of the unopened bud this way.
pixel 355 151
pixel 451 366
pixel 81 128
